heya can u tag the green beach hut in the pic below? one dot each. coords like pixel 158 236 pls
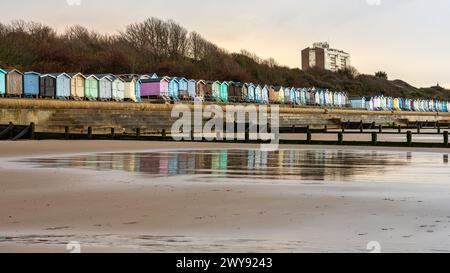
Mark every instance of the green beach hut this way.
pixel 91 87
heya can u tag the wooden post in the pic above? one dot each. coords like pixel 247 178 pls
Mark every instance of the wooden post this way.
pixel 409 138
pixel 325 128
pixel 340 138
pixel 113 133
pixel 138 133
pixel 308 137
pixel 373 125
pixel 418 128
pixel 438 128
pixel 89 132
pixel 66 133
pixel 399 129
pixel 32 131
pixel 293 129
pixel 163 134
pixel 11 133
pixel 361 127
pixel 374 138
pixel 446 138
pixel 380 129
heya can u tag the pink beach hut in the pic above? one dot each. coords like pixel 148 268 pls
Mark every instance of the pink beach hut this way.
pixel 155 88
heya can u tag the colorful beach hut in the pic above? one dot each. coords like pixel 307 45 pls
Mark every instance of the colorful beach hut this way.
pixel 250 97
pixel 273 94
pixel 2 82
pixel 200 90
pixel 47 86
pixel 192 89
pixel 118 88
pixel 77 83
pixel 234 90
pixel 265 94
pixel 279 90
pixel 183 92
pixel 216 90
pixel 31 84
pixel 155 88
pixel 258 93
pixel 62 81
pixel 224 91
pixel 209 91
pixel 105 86
pixel 14 82
pixel 174 89
pixel 91 87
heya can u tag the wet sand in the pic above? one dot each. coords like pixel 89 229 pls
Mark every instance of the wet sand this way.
pixel 108 211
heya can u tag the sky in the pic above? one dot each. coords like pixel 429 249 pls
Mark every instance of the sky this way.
pixel 408 39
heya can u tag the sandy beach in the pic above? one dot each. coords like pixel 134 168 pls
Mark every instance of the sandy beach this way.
pixel 43 209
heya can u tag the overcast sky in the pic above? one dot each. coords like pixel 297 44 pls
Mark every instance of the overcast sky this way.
pixel 409 39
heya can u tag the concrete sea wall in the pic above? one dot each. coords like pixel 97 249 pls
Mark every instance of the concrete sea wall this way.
pixel 54 115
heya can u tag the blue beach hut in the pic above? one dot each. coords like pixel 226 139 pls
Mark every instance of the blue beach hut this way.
pixel 174 88
pixel 31 84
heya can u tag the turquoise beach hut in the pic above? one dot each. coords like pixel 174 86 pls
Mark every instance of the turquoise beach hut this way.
pixel 224 91
pixel 2 82
pixel 216 91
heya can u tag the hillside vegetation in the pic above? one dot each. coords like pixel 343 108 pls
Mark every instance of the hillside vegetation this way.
pixel 166 48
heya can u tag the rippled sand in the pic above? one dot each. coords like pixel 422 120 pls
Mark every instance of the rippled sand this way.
pixel 140 197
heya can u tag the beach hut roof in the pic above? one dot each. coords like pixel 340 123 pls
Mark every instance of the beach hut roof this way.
pixel 180 79
pixel 154 80
pixel 105 76
pixel 225 82
pixel 2 71
pixel 148 76
pixel 278 88
pixel 56 75
pixel 201 81
pixel 13 70
pixel 116 78
pixel 174 79
pixel 92 76
pixel 76 74
pixel 32 72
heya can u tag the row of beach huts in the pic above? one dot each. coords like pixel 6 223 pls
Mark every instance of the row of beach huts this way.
pixel 383 103
pixel 132 87
pixel 136 88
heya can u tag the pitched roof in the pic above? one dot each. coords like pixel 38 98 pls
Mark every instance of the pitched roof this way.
pixel 32 72
pixel 12 70
pixel 76 74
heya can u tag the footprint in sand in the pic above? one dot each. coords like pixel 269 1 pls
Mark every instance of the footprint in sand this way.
pixel 57 228
pixel 130 223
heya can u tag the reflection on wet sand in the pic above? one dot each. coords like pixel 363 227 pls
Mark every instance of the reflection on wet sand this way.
pixel 332 165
